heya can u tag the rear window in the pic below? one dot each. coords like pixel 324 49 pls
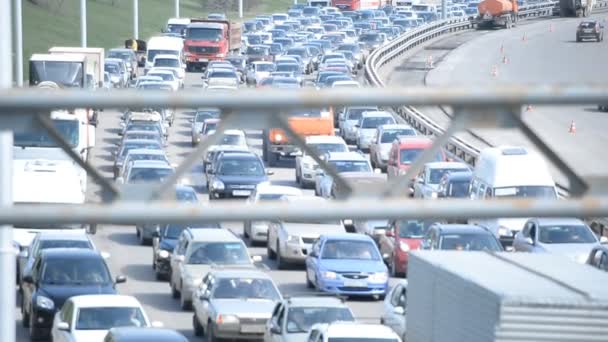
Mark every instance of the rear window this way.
pixel 587 25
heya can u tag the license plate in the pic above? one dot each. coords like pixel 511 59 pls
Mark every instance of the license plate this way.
pixel 252 329
pixel 241 193
pixel 203 60
pixel 355 283
pixel 587 30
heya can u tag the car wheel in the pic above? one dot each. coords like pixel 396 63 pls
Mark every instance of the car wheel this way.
pixel 142 240
pixel 280 262
pixel 271 254
pixel 174 292
pixel 309 283
pixel 197 327
pixel 272 158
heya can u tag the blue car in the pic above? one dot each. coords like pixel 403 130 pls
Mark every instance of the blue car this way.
pixel 347 264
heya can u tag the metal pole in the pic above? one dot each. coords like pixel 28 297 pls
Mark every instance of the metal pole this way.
pixel 295 2
pixel 18 43
pixel 136 19
pixel 240 8
pixel 177 8
pixel 83 23
pixel 444 8
pixel 7 254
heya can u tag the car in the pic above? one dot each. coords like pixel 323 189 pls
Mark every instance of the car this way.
pixel 48 240
pixel 455 185
pixel 214 154
pixel 401 237
pixel 56 275
pixel 141 154
pixel 569 237
pixel 343 162
pixel 146 78
pixel 367 126
pixel 372 228
pixel 257 231
pixel 144 121
pixel 240 64
pixel 164 241
pixel 230 137
pixel 293 317
pixel 290 241
pixel 132 145
pixel 404 152
pixel 222 77
pixel 598 258
pixel 346 84
pixel 198 121
pixel 143 135
pixel 257 53
pixel 236 175
pixel 123 71
pixel 170 61
pixel 217 315
pixel 258 71
pixel 130 334
pixel 89 317
pixel 216 16
pixel 207 129
pixel 460 237
pixel 394 309
pixel 426 184
pixel 129 57
pixel 168 77
pixel 362 183
pixel 371 40
pixel 196 253
pixel 349 119
pixel 145 172
pixel 280 81
pixel 307 58
pixel 380 146
pixel 306 166
pixel 590 29
pixel 346 264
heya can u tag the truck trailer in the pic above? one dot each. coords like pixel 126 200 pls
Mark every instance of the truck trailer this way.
pixel 95 61
pixel 484 296
pixel 496 13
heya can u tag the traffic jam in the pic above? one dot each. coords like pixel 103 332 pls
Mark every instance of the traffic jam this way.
pixel 224 275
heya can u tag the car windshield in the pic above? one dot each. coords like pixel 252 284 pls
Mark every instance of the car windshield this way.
pixel 297 52
pixel 148 145
pixel 458 189
pixel 232 139
pixel 264 67
pixel 351 166
pixel 388 136
pixel 220 253
pixel 119 54
pixel 222 74
pixel 257 50
pixel 204 33
pixel 566 234
pixel 101 318
pixel 166 62
pixel 301 319
pixel 68 129
pixel 526 191
pixel 349 249
pixel 111 68
pixel 407 156
pixel 374 122
pixel 276 48
pixel 250 288
pixel 324 148
pixel 241 167
pixel 209 127
pixel 143 127
pixel 414 229
pixel 436 174
pixel 173 231
pixel 149 174
pixel 78 271
pixel 587 25
pixel 469 242
pixel 153 53
pixel 370 38
pixel 186 195
pixel 146 156
pixel 176 28
pixel 354 114
pixel 49 244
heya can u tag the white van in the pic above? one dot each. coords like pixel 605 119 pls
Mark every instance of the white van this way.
pixel 424 8
pixel 164 46
pixel 510 171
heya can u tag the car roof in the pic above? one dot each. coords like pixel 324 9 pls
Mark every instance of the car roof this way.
pixel 547 221
pixel 267 188
pixel 145 151
pixel 376 114
pixel 105 300
pixel 461 228
pixel 360 330
pixel 395 126
pixel 346 156
pixel 447 165
pixel 242 155
pixel 158 164
pixel 316 301
pixel 240 273
pixel 212 235
pixel 347 237
pixel 72 253
pixel 321 139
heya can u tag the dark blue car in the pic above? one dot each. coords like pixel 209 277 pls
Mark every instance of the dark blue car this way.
pixel 347 264
pixel 236 175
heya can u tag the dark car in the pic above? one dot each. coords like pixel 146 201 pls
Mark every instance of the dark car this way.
pixel 256 53
pixel 285 42
pixel 454 184
pixel 58 274
pixel 130 334
pixel 305 55
pixel 371 40
pixel 590 29
pixel 460 237
pixel 165 239
pixel 236 175
pixel 240 63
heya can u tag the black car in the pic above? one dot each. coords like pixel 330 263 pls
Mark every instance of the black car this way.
pixel 256 53
pixel 58 274
pixel 131 334
pixel 236 175
pixel 460 237
pixel 590 29
pixel 455 184
pixel 164 241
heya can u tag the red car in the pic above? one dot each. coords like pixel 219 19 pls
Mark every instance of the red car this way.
pixel 402 237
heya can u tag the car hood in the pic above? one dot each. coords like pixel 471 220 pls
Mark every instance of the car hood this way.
pixel 241 179
pixel 367 131
pixel 575 251
pixel 342 265
pixel 385 147
pixel 258 308
pixel 198 127
pixel 311 230
pixel 89 335
pixel 60 293
pixel 297 337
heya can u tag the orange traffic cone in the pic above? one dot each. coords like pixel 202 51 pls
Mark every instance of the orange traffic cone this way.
pixel 529 108
pixel 502 48
pixel 494 71
pixel 550 27
pixel 505 60
pixel 572 129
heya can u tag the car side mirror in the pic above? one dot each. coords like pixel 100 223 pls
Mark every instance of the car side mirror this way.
pixel 529 241
pixel 398 310
pixel 120 279
pixel 64 326
pixel 28 279
pixel 269 172
pixel 275 328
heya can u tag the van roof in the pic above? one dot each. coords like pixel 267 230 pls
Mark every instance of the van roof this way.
pixel 165 43
pixel 512 166
pixel 178 21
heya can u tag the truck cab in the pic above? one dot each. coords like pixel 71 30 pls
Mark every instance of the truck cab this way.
pixel 65 70
pixel 209 40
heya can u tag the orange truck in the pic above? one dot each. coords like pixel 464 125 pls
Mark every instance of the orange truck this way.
pixel 495 13
pixel 304 122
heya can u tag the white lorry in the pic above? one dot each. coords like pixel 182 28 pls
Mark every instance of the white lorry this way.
pixel 95 61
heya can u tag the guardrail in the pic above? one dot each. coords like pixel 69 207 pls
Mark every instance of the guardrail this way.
pixel 456 146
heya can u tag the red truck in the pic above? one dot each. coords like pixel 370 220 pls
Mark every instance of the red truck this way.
pixel 209 40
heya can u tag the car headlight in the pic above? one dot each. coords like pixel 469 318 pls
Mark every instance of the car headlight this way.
pixel 404 247
pixel 45 303
pixel 293 239
pixel 163 254
pixel 217 184
pixel 329 275
pixel 379 277
pixel 402 172
pixel 278 137
pixel 503 231
pixel 227 319
pixel 196 282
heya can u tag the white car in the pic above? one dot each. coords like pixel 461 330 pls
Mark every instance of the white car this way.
pixel 367 126
pixel 289 241
pixel 426 184
pixel 346 84
pixel 144 79
pixel 258 71
pixel 348 120
pixel 351 331
pixel 171 61
pixel 306 167
pixel 394 308
pixel 88 318
pixel 167 76
pixel 342 162
pixel 257 231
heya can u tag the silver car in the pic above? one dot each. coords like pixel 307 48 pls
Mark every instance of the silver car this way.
pixel 234 304
pixel 349 118
pixel 367 126
pixel 199 119
pixel 569 237
pixel 394 309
